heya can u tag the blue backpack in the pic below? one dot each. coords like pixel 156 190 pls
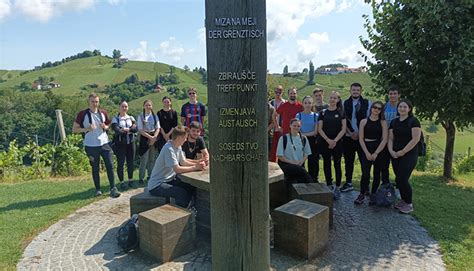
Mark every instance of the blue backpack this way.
pixel 385 195
pixel 127 236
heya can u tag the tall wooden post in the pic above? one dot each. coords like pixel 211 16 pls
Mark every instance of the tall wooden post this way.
pixel 237 100
pixel 59 118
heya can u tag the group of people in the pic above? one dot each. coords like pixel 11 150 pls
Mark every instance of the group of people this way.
pixel 377 132
pixel 164 147
pixel 298 132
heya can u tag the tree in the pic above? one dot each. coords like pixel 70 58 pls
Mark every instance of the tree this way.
pixel 285 70
pixel 428 51
pixel 132 79
pixel 305 71
pixel 172 69
pixel 116 54
pixel 96 52
pixel 311 73
pixel 186 68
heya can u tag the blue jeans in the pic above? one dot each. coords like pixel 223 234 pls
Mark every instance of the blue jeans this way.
pixel 181 192
pixel 94 154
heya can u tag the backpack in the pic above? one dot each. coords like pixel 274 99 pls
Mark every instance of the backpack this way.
pixel 385 195
pixel 127 236
pixel 285 141
pixel 89 116
pixel 142 117
pixel 421 145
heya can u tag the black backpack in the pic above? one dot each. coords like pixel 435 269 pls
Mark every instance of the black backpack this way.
pixel 285 141
pixel 421 144
pixel 385 195
pixel 127 236
pixel 89 116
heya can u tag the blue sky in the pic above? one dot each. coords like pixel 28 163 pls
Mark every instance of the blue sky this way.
pixel 172 31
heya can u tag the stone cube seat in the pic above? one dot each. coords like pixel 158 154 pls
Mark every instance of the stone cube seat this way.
pixel 145 201
pixel 166 232
pixel 316 193
pixel 301 228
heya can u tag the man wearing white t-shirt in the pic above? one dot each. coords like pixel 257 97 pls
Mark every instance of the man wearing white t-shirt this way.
pixel 93 123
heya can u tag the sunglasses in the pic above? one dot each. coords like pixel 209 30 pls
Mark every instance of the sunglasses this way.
pixel 192 93
pixel 377 107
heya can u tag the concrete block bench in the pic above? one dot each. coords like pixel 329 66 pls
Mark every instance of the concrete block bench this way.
pixel 301 228
pixel 166 232
pixel 145 201
pixel 316 193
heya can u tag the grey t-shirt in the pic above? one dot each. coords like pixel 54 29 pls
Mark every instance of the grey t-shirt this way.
pixel 163 171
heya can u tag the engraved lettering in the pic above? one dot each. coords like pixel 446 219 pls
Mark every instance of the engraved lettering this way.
pixel 237 111
pixel 236 87
pixel 250 21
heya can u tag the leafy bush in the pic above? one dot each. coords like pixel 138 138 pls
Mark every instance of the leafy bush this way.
pixel 69 158
pixel 32 161
pixel 466 165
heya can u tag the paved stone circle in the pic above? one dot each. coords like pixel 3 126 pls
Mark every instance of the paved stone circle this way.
pixel 363 238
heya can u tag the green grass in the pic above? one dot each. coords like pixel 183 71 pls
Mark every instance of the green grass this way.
pixel 462 142
pixel 446 210
pixel 28 208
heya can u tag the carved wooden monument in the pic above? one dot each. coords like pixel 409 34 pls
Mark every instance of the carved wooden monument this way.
pixel 237 100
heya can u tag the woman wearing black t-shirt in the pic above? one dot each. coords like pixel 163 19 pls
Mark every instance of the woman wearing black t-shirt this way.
pixel 404 134
pixel 168 120
pixel 331 128
pixel 373 136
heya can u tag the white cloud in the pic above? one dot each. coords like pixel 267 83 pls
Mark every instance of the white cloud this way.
pixel 141 53
pixel 349 55
pixel 286 17
pixel 201 35
pixel 44 10
pixel 5 8
pixel 343 6
pixel 172 48
pixel 309 49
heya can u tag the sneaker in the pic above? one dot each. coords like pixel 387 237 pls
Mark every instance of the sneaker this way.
pixel 114 193
pixel 337 193
pixel 372 199
pixel 399 204
pixel 123 186
pixel 347 187
pixel 98 193
pixel 360 199
pixel 130 184
pixel 406 208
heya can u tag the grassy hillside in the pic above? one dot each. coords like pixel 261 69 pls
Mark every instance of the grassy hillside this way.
pixel 75 74
pixel 339 82
pixel 9 75
pixel 98 70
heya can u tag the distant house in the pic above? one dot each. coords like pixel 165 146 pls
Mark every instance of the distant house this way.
pixel 122 60
pixel 36 86
pixel 341 70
